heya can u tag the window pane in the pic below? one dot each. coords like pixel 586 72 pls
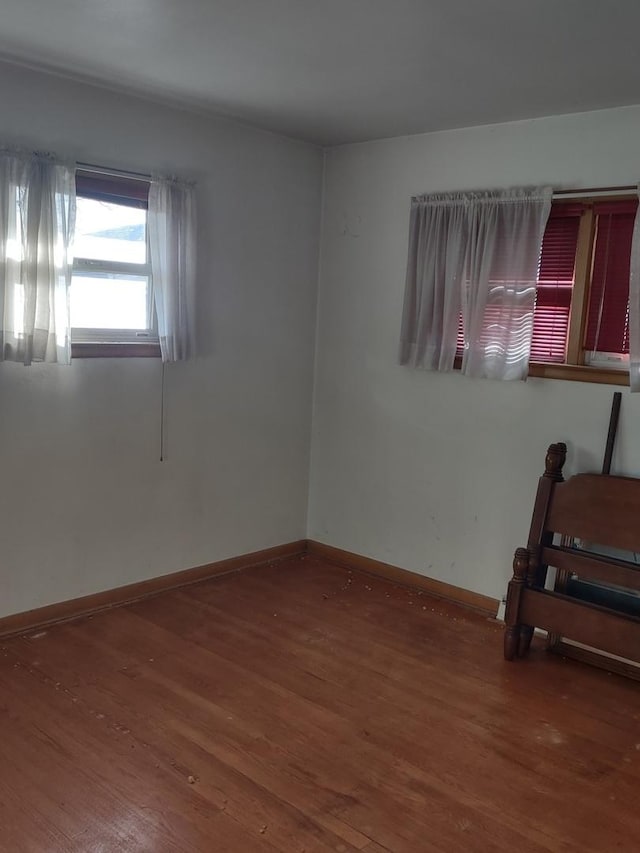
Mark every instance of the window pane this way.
pixel 110 232
pixel 608 319
pixel 109 301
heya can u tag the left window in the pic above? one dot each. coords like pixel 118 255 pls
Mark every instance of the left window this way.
pixel 111 298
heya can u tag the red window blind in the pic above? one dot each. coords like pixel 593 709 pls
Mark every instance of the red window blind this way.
pixel 555 284
pixel 607 328
pixel 554 287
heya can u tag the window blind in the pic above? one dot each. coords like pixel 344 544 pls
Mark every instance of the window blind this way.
pixel 132 192
pixel 607 327
pixel 555 284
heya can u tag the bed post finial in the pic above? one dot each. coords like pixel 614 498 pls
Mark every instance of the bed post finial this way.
pixel 554 461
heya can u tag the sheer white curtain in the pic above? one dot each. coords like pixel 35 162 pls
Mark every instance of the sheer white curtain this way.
pixel 438 238
pixel 172 240
pixel 475 256
pixel 37 216
pixel 634 307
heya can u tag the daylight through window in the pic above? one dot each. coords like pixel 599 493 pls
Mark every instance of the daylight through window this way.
pixel 111 297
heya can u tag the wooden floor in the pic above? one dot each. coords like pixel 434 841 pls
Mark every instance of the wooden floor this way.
pixel 298 707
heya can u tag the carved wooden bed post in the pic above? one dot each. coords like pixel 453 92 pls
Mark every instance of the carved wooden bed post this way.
pixel 516 585
pixel 528 569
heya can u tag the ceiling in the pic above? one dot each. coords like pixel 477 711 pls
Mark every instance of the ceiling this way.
pixel 336 71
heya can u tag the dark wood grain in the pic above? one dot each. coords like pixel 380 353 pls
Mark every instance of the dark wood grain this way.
pixel 588 565
pixel 586 623
pixel 585 512
pixel 600 509
pixel 305 707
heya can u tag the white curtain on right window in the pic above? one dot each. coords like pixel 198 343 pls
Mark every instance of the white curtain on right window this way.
pixel 172 242
pixel 634 307
pixel 473 265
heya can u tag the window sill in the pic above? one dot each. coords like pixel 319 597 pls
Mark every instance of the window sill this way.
pixel 571 372
pixel 579 373
pixel 114 350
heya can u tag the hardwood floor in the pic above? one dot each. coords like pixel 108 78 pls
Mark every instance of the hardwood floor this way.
pixel 297 707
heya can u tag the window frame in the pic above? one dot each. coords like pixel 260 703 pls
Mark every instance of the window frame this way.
pixel 107 185
pixel 575 367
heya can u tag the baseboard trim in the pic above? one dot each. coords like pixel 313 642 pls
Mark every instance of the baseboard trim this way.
pixel 63 611
pixel 403 577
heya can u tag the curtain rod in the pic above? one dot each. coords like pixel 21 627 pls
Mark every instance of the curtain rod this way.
pixel 597 190
pixel 116 173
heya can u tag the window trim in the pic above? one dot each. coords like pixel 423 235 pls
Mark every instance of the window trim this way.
pixel 570 372
pixel 581 284
pixel 112 350
pixel 579 373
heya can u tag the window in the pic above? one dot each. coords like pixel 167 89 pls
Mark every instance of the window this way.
pixel 111 299
pixel 581 317
pixel 582 299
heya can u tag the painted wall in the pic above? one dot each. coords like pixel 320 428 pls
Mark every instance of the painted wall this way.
pixel 435 472
pixel 85 504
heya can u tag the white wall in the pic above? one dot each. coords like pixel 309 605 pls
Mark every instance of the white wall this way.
pixel 85 504
pixel 432 472
pixel 435 473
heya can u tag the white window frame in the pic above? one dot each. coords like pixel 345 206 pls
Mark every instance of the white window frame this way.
pixel 91 267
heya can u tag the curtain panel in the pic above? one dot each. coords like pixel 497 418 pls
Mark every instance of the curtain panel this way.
pixel 634 307
pixel 37 216
pixel 473 258
pixel 172 241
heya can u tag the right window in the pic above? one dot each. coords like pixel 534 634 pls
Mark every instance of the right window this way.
pixel 111 300
pixel 581 317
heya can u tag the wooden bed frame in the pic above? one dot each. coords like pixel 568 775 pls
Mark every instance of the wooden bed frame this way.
pixel 591 509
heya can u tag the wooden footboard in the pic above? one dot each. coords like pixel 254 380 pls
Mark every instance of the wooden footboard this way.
pixel 586 623
pixel 597 513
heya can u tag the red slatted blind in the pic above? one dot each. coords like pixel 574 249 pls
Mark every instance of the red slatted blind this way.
pixel 607 328
pixel 555 284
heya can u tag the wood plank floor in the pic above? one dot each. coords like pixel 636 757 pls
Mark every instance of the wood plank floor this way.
pixel 299 707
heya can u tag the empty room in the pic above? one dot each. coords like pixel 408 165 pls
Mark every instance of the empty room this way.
pixel 319 444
